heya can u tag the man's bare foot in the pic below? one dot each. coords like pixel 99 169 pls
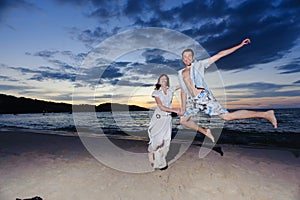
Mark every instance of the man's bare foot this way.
pixel 271 117
pixel 208 134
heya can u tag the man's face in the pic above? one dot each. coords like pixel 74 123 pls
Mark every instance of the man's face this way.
pixel 187 58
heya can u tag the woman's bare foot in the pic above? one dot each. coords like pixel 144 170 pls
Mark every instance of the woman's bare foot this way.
pixel 151 158
pixel 271 117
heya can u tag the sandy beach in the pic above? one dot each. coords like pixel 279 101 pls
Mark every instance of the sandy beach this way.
pixel 56 167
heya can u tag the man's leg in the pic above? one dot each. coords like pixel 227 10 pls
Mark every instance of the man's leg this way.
pixel 187 122
pixel 246 114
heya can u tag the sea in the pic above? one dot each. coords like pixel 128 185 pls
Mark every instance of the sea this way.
pixel 134 125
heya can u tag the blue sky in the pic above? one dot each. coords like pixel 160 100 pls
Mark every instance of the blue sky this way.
pixel 45 43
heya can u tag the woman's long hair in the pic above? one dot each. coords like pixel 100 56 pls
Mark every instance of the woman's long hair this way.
pixel 157 85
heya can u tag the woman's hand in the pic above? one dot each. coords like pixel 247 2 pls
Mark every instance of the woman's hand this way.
pixel 177 110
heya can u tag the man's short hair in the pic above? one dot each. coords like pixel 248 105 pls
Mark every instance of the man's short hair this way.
pixel 187 50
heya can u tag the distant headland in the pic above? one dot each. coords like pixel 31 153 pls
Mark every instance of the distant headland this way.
pixel 17 105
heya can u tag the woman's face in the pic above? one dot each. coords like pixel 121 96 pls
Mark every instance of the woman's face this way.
pixel 163 81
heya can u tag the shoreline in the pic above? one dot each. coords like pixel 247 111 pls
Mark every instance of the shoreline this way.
pixel 77 146
pixel 290 142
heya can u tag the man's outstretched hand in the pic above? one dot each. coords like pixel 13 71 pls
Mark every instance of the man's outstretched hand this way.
pixel 246 41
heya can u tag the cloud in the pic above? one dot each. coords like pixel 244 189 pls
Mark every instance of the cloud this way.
pixel 142 8
pixel 45 54
pixel 62 97
pixel 111 72
pixel 297 82
pixel 132 74
pixel 160 58
pixel 110 96
pixel 216 24
pixel 257 86
pixel 256 90
pixel 6 78
pixel 258 20
pixel 40 75
pixel 138 61
pixel 131 83
pixel 44 75
pixel 289 68
pixel 133 7
pixel 103 96
pixel 94 75
pixel 50 56
pixel 88 36
pixel 14 87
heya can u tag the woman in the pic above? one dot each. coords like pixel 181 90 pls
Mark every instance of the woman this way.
pixel 160 127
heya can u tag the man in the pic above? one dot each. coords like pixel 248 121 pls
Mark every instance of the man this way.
pixel 201 99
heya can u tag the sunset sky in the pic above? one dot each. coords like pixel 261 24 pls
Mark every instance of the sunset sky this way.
pixel 46 49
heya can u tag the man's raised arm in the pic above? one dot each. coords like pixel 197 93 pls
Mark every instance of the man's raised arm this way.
pixel 228 51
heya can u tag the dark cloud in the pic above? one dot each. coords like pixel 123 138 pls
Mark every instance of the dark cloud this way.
pixel 195 11
pixel 45 54
pixel 110 96
pixel 109 13
pixel 257 86
pixel 153 22
pixel 93 37
pixel 153 69
pixel 289 68
pixel 6 78
pixel 130 73
pixel 44 75
pixel 62 97
pixel 103 14
pixel 142 8
pixel 256 90
pixel 106 9
pixel 111 72
pixel 272 27
pixel 154 56
pixel 133 8
pixel 100 74
pixel 68 67
pixel 217 25
pixel 131 83
pixel 40 75
pixel 272 94
pixel 104 96
pixel 297 82
pixel 63 66
pixel 14 87
pixel 273 31
pixel 157 56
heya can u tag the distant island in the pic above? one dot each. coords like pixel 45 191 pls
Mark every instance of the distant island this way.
pixel 17 105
